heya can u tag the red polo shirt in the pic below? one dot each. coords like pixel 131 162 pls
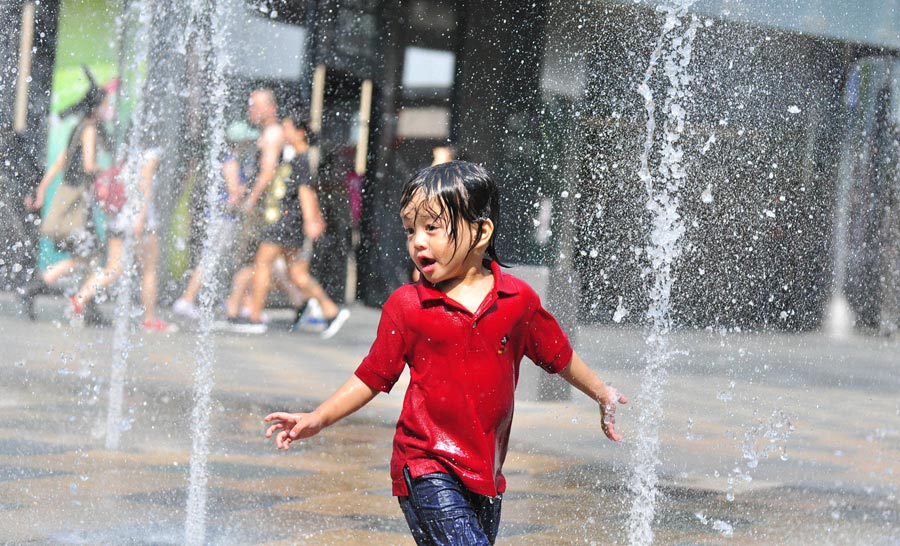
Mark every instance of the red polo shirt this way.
pixel 464 368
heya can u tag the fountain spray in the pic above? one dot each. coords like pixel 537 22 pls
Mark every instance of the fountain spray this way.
pixel 673 49
pixel 122 343
pixel 213 19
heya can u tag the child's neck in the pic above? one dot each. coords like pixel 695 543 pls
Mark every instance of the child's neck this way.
pixel 472 286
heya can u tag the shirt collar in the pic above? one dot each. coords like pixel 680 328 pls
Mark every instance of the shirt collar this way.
pixel 503 285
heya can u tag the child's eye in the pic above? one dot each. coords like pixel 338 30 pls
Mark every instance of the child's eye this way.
pixel 409 231
pixel 431 227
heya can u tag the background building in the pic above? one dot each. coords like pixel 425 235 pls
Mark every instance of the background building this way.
pixel 544 94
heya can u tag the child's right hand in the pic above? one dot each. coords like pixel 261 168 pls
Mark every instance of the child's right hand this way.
pixel 288 427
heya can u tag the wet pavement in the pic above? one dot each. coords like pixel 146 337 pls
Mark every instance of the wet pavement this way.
pixel 766 439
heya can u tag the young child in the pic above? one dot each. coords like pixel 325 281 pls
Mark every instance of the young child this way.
pixel 462 329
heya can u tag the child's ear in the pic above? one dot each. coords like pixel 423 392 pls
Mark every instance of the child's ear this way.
pixel 484 234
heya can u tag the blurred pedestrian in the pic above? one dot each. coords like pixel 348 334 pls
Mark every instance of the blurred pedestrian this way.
pixel 443 153
pixel 239 138
pixel 299 219
pixel 262 111
pixel 142 221
pixel 68 218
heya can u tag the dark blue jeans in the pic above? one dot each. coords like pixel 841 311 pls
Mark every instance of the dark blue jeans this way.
pixel 440 511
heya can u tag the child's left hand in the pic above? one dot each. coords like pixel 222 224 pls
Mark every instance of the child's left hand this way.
pixel 608 412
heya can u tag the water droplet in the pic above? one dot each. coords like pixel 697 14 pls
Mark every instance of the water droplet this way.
pixel 707 195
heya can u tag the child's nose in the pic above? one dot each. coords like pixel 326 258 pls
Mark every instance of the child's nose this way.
pixel 419 239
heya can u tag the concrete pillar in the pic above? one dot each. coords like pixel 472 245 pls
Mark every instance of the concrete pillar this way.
pixel 28 50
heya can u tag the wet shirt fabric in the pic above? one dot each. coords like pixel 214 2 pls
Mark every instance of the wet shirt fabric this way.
pixel 464 367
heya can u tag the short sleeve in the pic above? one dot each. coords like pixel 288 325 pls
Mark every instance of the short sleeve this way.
pixel 546 344
pixel 382 367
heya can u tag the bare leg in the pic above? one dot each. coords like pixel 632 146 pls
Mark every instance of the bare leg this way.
pixel 41 280
pixel 298 269
pixel 239 284
pixel 262 277
pixel 282 281
pixel 111 272
pixel 59 270
pixel 149 259
pixel 193 286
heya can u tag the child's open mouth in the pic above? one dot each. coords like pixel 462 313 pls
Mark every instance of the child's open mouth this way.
pixel 427 264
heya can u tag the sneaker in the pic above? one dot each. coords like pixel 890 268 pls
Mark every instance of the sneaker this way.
pixel 159 326
pixel 334 324
pixel 299 315
pixel 77 309
pixel 245 313
pixel 186 309
pixel 243 325
pixel 311 319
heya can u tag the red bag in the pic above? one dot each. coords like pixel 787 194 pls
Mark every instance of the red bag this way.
pixel 109 190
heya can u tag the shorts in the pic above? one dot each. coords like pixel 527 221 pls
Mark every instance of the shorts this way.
pixel 248 237
pixel 440 511
pixel 287 231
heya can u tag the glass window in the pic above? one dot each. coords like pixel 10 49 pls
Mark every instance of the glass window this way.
pixel 265 49
pixel 428 68
pixel 429 122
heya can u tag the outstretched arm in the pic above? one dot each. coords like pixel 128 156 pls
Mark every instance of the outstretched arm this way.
pixel 349 397
pixel 582 378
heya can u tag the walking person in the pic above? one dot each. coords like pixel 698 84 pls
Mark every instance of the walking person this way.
pixel 68 217
pixel 299 219
pixel 238 137
pixel 262 111
pixel 143 226
pixel 462 330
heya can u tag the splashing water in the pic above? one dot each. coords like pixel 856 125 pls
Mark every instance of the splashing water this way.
pixel 213 20
pixel 766 438
pixel 122 343
pixel 673 48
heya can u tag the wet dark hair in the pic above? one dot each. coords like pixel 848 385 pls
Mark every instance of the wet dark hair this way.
pixel 461 191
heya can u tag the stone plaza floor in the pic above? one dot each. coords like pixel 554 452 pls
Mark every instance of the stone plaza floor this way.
pixel 767 438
